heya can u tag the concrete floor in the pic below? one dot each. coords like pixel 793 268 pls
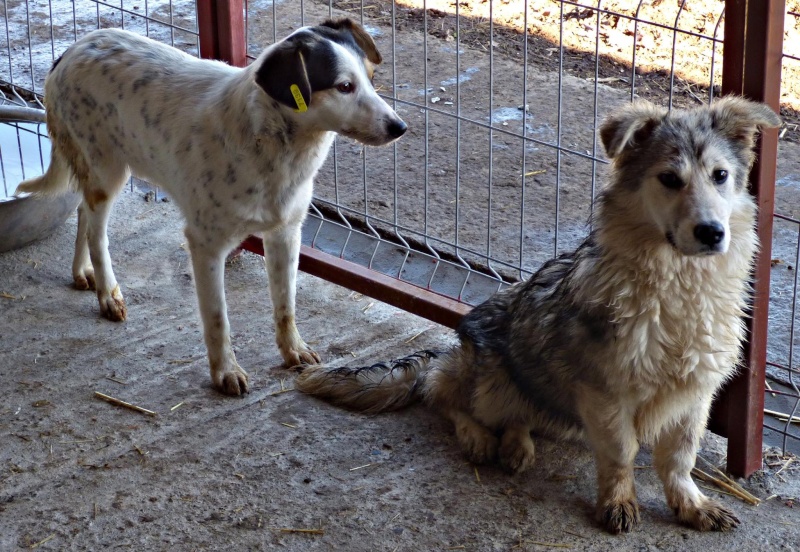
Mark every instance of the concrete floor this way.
pixel 210 472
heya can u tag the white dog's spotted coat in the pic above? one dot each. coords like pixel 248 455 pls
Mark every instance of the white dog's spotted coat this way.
pixel 228 145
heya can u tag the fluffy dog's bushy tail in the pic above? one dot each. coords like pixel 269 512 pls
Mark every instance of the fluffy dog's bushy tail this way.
pixel 371 389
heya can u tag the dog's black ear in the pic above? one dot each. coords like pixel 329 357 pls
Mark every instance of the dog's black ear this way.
pixel 360 36
pixel 740 120
pixel 283 69
pixel 630 126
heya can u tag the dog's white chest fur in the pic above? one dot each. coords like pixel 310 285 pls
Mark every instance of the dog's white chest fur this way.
pixel 679 325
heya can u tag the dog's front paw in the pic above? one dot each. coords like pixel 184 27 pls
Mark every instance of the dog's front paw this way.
pixel 112 306
pixel 620 517
pixel 299 356
pixel 232 381
pixel 517 452
pixel 709 516
pixel 478 443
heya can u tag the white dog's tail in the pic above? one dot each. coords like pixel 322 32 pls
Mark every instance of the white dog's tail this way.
pixel 58 178
pixel 371 389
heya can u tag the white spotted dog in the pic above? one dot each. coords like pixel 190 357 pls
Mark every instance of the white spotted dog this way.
pixel 236 149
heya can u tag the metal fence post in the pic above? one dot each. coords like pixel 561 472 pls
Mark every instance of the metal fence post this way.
pixel 222 33
pixel 753 47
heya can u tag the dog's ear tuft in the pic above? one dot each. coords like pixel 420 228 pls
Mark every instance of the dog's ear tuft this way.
pixel 360 36
pixel 284 66
pixel 740 119
pixel 630 126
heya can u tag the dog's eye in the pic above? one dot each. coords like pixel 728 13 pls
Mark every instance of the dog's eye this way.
pixel 345 87
pixel 719 176
pixel 670 180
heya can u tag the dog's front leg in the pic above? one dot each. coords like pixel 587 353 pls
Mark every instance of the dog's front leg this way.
pixel 674 456
pixel 282 253
pixel 611 432
pixel 208 262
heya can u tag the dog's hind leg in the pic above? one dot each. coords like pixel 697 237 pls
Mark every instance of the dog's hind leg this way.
pixel 82 271
pixel 282 252
pixel 612 435
pixel 674 456
pixel 208 262
pixel 96 207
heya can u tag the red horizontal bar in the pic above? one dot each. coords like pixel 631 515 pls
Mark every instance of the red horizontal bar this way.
pixel 408 297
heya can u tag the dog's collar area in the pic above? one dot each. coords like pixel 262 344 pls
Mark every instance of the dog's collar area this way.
pixel 298 99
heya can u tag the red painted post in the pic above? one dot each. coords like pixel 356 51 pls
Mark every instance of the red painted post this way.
pixel 222 33
pixel 753 51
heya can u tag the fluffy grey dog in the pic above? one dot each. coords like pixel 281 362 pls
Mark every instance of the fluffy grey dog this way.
pixel 624 340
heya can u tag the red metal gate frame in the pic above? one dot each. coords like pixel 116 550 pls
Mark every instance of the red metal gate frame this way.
pixel 220 25
pixel 751 67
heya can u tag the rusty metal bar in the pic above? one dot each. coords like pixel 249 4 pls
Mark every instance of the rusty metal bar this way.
pixel 751 67
pixel 422 302
pixel 221 27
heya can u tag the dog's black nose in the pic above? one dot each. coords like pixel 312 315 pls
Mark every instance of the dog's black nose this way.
pixel 396 128
pixel 709 233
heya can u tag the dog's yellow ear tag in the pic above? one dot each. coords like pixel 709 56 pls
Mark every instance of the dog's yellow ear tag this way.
pixel 298 98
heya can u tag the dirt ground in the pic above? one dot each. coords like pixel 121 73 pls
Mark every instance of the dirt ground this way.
pixel 210 472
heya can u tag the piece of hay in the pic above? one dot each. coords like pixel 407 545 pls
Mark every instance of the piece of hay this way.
pixel 727 484
pixel 186 360
pixel 304 531
pixel 281 391
pixel 786 465
pixel 118 402
pixel 412 338
pixel 782 416
pixel 41 542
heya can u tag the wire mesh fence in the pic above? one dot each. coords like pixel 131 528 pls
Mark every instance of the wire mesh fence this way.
pixel 499 169
pixel 782 399
pixel 501 163
pixel 36 32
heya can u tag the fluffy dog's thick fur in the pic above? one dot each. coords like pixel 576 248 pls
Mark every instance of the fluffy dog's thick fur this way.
pixel 624 340
pixel 236 149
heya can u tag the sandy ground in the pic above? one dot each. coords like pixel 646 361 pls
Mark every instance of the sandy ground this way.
pixel 210 472
pixel 80 474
